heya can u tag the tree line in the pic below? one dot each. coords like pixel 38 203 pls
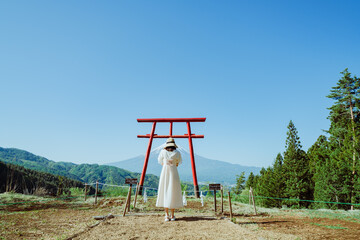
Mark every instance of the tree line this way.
pixel 329 171
pixel 14 178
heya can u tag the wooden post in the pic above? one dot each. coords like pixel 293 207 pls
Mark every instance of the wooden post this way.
pixel 85 192
pixel 250 196
pixel 222 200
pixel 96 191
pixel 127 201
pixel 131 181
pixel 253 200
pixel 230 206
pixel 214 187
pixel 136 193
pixel 130 189
pixel 215 201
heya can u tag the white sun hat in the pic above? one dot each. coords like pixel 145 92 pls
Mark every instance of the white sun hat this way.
pixel 170 142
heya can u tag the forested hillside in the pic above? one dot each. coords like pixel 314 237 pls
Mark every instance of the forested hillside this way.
pixel 32 161
pixel 18 179
pixel 87 173
pixel 329 170
pixel 108 174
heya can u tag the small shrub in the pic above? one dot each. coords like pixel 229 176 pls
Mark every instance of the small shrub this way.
pixel 40 192
pixel 77 191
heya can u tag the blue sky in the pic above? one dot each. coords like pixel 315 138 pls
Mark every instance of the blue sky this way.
pixel 75 75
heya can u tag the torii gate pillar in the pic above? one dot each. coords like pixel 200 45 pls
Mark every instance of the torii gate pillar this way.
pixel 189 135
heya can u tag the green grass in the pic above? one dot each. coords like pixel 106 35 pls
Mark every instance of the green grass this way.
pixel 22 202
pixel 352 216
pixel 329 226
pixel 17 197
pixel 336 227
pixel 77 191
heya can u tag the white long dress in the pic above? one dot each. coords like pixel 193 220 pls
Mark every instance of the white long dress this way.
pixel 169 190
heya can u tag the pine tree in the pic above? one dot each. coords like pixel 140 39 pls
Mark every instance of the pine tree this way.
pixel 240 181
pixel 264 187
pixel 278 179
pixel 324 172
pixel 250 182
pixel 345 127
pixel 296 168
pixel 271 183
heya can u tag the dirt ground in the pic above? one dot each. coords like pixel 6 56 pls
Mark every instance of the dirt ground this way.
pixel 304 227
pixel 185 227
pixel 59 220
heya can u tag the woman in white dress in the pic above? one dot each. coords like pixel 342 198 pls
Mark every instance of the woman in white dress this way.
pixel 169 190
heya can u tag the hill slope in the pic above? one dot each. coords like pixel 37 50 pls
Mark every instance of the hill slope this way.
pixel 32 161
pixel 88 173
pixel 14 178
pixel 207 170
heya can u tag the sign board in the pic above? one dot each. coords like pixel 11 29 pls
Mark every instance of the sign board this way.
pixel 214 187
pixel 131 181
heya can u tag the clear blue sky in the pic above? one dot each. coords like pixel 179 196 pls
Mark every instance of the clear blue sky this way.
pixel 75 75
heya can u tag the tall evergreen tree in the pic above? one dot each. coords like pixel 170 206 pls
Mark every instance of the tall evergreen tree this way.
pixel 278 179
pixel 271 183
pixel 264 187
pixel 296 167
pixel 324 181
pixel 250 182
pixel 240 183
pixel 345 125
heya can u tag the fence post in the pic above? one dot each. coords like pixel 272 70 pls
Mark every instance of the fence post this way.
pixel 127 201
pixel 250 196
pixel 230 206
pixel 215 201
pixel 127 204
pixel 253 200
pixel 222 200
pixel 85 191
pixel 130 189
pixel 136 193
pixel 96 191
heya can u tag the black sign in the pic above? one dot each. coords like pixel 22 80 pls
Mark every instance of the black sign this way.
pixel 214 187
pixel 131 180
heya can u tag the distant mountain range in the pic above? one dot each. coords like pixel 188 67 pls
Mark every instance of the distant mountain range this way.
pixel 207 170
pixel 87 173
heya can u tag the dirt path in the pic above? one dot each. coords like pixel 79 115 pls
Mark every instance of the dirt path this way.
pixel 185 227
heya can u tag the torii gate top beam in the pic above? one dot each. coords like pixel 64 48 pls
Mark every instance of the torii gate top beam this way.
pixel 171 120
pixel 173 136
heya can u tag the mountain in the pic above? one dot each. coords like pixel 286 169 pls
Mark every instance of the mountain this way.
pixel 88 173
pixel 32 161
pixel 14 178
pixel 207 170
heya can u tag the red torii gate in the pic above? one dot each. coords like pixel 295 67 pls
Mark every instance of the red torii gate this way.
pixel 152 135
